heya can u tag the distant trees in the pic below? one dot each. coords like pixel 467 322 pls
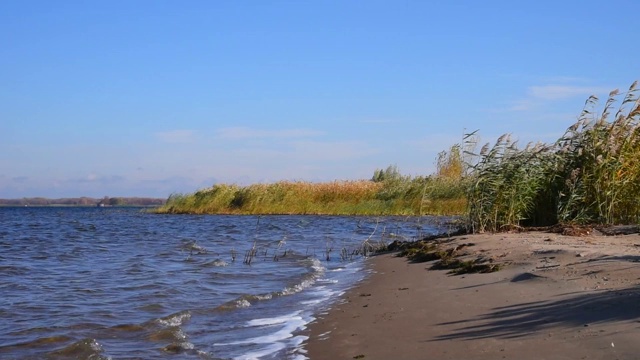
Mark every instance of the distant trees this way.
pixel 115 201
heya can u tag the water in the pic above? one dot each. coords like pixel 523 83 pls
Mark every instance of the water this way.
pixel 119 283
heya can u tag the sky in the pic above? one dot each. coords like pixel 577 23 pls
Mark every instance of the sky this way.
pixel 150 98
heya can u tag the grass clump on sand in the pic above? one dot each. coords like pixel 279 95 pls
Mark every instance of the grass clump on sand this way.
pixel 590 175
pixel 453 259
pixel 387 193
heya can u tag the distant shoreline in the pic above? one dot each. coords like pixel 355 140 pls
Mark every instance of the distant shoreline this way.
pixel 83 201
pixel 78 206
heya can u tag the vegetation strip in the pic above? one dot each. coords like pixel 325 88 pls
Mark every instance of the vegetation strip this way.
pixel 590 175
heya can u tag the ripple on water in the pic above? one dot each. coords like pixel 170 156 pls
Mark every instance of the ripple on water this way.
pixel 152 308
pixel 87 283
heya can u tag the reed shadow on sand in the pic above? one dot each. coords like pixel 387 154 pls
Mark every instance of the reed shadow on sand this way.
pixel 519 320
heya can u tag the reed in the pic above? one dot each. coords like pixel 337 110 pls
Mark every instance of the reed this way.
pixel 589 175
pixel 401 195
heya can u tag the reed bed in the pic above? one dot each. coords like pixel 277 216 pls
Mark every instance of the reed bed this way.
pixel 590 175
pixel 400 195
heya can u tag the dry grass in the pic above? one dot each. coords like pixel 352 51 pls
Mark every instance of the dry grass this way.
pixel 403 196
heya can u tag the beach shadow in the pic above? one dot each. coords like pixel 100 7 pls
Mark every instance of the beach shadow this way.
pixel 629 258
pixel 523 319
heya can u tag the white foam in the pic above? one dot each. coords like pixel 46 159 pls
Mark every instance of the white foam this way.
pixel 264 297
pixel 274 320
pixel 312 302
pixel 286 332
pixel 174 320
pixel 180 334
pixel 329 281
pixel 243 303
pixel 255 355
pixel 298 287
pixel 317 266
pixel 217 263
pixel 95 345
pixel 294 342
pixel 187 345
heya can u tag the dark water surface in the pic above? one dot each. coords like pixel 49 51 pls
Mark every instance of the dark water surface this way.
pixel 119 283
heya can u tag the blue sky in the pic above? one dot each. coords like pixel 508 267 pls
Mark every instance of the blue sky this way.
pixel 148 98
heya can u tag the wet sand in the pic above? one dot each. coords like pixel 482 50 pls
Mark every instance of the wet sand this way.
pixel 557 297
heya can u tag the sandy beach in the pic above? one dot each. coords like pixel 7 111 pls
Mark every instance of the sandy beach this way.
pixel 556 297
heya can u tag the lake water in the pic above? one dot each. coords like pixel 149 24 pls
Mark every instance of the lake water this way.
pixel 120 283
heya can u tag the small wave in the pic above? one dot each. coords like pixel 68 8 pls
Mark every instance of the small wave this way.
pixel 328 281
pixel 273 338
pixel 312 302
pixel 269 350
pixel 176 319
pixel 193 247
pixel 83 349
pixel 297 287
pixel 40 342
pixel 317 266
pixel 242 302
pixel 216 263
pixel 264 297
pixel 128 327
pixel 177 348
pixel 309 279
pixel 274 320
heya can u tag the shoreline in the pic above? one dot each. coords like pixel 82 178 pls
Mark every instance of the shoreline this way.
pixel 557 297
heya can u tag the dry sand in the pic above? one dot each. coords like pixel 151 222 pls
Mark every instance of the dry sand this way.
pixel 558 297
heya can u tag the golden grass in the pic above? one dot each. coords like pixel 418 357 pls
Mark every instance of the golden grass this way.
pixel 404 196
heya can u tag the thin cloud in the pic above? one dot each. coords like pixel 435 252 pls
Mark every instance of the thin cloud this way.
pixel 560 92
pixel 539 95
pixel 304 151
pixel 380 121
pixel 563 79
pixel 236 133
pixel 176 136
pixel 100 179
pixel 521 105
pixel 332 151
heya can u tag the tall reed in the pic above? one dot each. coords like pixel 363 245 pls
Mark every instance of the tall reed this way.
pixel 590 175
